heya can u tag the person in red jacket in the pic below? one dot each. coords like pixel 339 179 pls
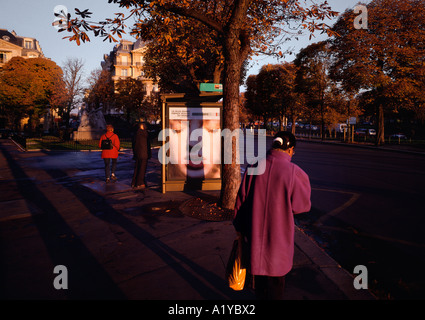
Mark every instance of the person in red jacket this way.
pixel 110 155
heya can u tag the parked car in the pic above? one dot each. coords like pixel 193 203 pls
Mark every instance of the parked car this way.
pixel 365 132
pixel 398 136
pixel 360 132
pixel 313 127
pixel 372 132
pixel 340 127
pixel 6 133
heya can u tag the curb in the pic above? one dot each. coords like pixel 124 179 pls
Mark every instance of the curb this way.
pixel 330 268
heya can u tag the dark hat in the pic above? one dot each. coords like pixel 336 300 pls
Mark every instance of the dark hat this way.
pixel 284 140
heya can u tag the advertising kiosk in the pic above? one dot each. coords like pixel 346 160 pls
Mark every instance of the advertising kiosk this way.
pixel 191 141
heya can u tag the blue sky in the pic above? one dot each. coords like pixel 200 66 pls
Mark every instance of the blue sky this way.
pixel 34 19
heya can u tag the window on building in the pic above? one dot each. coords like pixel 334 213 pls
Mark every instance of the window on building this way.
pixel 28 44
pixel 3 57
pixel 124 60
pixel 124 72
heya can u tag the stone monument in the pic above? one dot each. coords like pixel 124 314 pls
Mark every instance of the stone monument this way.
pixel 92 125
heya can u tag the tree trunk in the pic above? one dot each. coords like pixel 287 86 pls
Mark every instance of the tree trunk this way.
pixel 293 118
pixel 231 174
pixel 380 137
pixel 322 129
pixel 67 114
pixel 236 46
pixel 218 70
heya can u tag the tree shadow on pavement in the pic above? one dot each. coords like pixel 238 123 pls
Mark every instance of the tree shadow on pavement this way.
pixel 206 283
pixel 89 279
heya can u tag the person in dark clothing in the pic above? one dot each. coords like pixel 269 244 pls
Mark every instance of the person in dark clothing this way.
pixel 141 153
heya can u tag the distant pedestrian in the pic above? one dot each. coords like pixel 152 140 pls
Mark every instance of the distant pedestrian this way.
pixel 141 154
pixel 110 145
pixel 264 211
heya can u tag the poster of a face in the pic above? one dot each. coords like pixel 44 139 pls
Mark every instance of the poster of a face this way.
pixel 195 150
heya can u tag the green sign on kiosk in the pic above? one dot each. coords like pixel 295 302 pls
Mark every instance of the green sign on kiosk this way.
pixel 211 87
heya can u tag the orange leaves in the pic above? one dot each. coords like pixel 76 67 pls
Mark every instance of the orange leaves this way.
pixel 259 25
pixel 31 83
pixel 386 58
pixel 79 36
pixel 168 38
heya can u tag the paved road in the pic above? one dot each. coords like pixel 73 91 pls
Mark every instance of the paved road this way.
pixel 368 210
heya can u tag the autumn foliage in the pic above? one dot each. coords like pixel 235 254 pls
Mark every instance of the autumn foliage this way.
pixel 235 28
pixel 386 61
pixel 28 87
pixel 378 69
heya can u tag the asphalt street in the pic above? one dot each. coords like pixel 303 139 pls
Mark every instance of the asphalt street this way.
pixel 368 210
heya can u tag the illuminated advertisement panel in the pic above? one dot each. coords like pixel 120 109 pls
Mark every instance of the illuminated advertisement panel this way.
pixel 195 149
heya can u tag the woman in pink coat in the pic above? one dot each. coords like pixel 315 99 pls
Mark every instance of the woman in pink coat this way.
pixel 264 211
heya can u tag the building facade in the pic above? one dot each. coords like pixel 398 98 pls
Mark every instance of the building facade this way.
pixel 126 60
pixel 12 45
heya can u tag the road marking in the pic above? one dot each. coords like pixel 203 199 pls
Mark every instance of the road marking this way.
pixel 334 212
pixel 374 236
pixel 354 197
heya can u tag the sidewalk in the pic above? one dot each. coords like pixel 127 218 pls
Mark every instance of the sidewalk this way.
pixel 115 243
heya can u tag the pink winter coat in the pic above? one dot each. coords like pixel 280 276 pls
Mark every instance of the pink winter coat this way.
pixel 264 211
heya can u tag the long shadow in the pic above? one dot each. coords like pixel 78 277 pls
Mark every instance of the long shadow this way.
pixel 175 260
pixel 87 278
